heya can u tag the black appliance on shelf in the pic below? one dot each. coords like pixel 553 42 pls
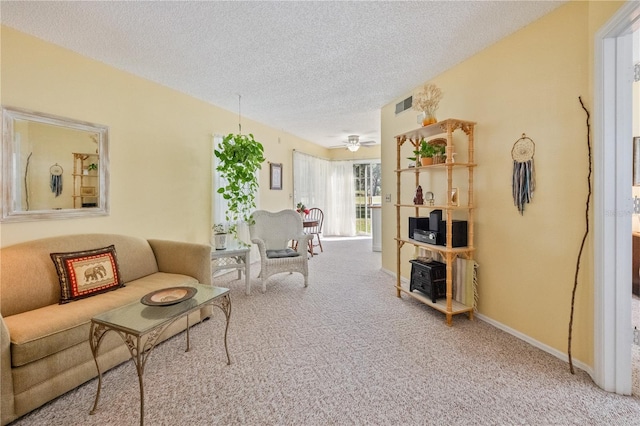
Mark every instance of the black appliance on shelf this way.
pixel 429 278
pixel 438 231
pixel 420 223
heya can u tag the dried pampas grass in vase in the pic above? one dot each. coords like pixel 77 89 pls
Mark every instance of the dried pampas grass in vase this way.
pixel 427 101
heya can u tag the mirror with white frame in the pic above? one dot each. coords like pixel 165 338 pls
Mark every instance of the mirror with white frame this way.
pixel 53 167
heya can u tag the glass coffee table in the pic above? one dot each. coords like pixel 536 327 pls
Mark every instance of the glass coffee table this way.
pixel 140 326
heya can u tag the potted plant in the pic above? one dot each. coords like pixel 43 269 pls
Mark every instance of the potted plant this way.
pixel 439 154
pixel 239 159
pixel 424 152
pixel 92 166
pixel 219 236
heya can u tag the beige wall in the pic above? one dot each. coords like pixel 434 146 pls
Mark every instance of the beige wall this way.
pixel 527 83
pixel 160 142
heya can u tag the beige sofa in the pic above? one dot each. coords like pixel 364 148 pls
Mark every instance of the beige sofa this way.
pixel 44 346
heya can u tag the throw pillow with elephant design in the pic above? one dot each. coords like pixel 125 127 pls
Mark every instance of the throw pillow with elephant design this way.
pixel 87 273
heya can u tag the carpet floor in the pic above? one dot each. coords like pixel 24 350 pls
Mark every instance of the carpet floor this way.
pixel 343 351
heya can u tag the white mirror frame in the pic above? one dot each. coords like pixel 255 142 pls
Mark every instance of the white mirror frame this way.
pixel 10 175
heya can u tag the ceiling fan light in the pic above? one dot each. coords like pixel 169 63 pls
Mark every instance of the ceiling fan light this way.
pixel 353 143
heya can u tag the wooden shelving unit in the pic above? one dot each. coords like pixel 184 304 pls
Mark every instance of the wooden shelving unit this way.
pixel 84 180
pixel 449 254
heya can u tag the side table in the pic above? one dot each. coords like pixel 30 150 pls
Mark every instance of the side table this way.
pixel 235 256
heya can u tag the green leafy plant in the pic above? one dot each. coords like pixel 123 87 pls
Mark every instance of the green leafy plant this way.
pixel 92 166
pixel 218 228
pixel 424 150
pixel 239 158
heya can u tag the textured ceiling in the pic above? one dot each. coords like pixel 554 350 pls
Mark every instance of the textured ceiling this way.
pixel 319 70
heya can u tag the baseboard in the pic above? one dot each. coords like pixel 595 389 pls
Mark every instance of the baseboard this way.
pixel 553 351
pixel 546 348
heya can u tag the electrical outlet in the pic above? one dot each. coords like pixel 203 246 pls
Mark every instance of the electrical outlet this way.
pixel 387 198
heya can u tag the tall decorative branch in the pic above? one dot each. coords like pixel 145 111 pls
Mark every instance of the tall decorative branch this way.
pixel 26 181
pixel 584 237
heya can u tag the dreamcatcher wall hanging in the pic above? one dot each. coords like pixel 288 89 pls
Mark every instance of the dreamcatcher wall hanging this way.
pixel 55 179
pixel 524 180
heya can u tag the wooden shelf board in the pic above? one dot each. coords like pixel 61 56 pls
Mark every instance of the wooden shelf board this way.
pixel 440 305
pixel 435 166
pixel 434 129
pixel 426 206
pixel 442 249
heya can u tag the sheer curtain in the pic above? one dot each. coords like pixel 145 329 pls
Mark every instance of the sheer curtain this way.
pixel 329 186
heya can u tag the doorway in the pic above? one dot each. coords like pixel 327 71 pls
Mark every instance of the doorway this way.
pixel 613 203
pixel 368 190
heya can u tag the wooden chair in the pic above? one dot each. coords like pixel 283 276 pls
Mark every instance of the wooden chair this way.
pixel 316 215
pixel 271 232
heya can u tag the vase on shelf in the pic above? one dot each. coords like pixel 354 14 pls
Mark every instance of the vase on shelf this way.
pixel 428 118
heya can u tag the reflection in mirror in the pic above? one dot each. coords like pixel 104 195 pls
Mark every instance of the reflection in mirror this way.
pixel 52 167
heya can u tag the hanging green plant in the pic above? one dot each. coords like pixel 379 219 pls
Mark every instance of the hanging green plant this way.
pixel 239 158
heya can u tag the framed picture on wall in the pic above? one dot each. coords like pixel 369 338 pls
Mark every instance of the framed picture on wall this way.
pixel 636 161
pixel 275 172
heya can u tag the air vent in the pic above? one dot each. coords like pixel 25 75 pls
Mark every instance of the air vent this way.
pixel 404 105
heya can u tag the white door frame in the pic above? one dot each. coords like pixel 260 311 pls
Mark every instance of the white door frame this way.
pixel 612 124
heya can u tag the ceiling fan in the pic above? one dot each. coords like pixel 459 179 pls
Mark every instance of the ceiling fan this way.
pixel 353 143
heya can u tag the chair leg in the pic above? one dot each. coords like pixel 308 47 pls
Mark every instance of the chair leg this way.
pixel 320 243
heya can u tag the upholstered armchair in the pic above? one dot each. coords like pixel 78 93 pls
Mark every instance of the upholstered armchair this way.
pixel 272 232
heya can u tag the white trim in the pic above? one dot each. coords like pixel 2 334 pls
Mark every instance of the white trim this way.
pixel 533 342
pixel 612 126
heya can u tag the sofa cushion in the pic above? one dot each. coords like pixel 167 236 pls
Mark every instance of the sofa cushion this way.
pixel 87 273
pixel 41 332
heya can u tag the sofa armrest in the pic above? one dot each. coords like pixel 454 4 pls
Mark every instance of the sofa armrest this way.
pixel 183 258
pixel 7 409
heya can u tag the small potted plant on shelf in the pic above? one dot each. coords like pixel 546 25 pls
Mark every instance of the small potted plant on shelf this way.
pixel 219 236
pixel 92 166
pixel 439 155
pixel 424 153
